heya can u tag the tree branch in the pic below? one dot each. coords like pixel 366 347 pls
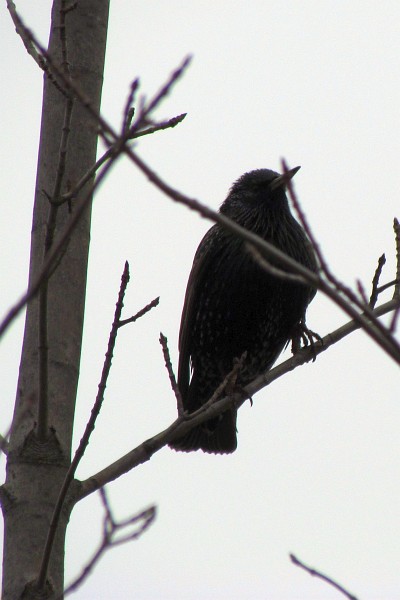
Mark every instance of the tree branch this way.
pixel 171 374
pixel 333 284
pixel 186 422
pixel 115 533
pixel 375 281
pixel 111 151
pixel 23 32
pixel 140 313
pixel 320 575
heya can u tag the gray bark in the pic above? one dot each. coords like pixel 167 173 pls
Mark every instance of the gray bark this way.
pixel 36 469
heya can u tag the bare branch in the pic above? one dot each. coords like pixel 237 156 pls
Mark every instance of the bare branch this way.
pixel 140 313
pixel 30 43
pixel 68 196
pixel 213 408
pixel 320 575
pixel 171 374
pixel 23 32
pixel 71 194
pixel 162 93
pixel 323 265
pixel 375 281
pixel 129 111
pixel 271 269
pixel 361 291
pixel 169 124
pixel 114 534
pixel 387 285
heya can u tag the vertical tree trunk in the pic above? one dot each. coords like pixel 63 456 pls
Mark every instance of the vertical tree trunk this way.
pixel 36 468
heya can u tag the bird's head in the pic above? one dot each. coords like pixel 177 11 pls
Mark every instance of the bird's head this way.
pixel 260 190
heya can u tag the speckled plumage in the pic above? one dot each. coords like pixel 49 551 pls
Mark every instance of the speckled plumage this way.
pixel 232 305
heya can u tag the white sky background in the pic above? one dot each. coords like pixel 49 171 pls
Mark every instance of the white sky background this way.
pixel 316 472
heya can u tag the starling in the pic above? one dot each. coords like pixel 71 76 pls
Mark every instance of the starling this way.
pixel 232 305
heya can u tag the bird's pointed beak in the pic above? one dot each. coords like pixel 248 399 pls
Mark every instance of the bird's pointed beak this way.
pixel 282 180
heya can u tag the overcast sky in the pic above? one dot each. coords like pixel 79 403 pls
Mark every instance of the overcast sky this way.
pixel 316 471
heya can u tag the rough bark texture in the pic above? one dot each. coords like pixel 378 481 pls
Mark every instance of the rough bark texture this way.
pixel 35 470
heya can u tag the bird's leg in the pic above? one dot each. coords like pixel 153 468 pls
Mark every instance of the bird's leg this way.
pixel 302 337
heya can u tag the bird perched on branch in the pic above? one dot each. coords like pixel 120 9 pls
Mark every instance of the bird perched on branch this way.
pixel 234 305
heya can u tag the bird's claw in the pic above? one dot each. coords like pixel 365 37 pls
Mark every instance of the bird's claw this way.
pixel 302 337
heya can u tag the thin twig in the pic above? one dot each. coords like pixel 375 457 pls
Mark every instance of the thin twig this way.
pixel 30 43
pixel 162 93
pixel 106 505
pixel 71 194
pixel 323 264
pixel 140 313
pixel 168 124
pixel 375 281
pixel 171 374
pixel 41 580
pixel 111 529
pixel 129 111
pixel 361 291
pixel 320 575
pixel 24 34
pixel 68 196
pixel 271 269
pixel 387 285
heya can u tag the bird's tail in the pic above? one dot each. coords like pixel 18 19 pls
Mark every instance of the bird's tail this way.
pixel 215 436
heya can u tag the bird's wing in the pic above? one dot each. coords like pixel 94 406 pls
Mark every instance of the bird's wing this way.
pixel 204 261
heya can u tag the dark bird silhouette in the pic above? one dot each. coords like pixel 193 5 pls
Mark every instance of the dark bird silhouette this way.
pixel 233 305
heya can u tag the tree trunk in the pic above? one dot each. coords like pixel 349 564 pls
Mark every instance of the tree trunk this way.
pixel 36 467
